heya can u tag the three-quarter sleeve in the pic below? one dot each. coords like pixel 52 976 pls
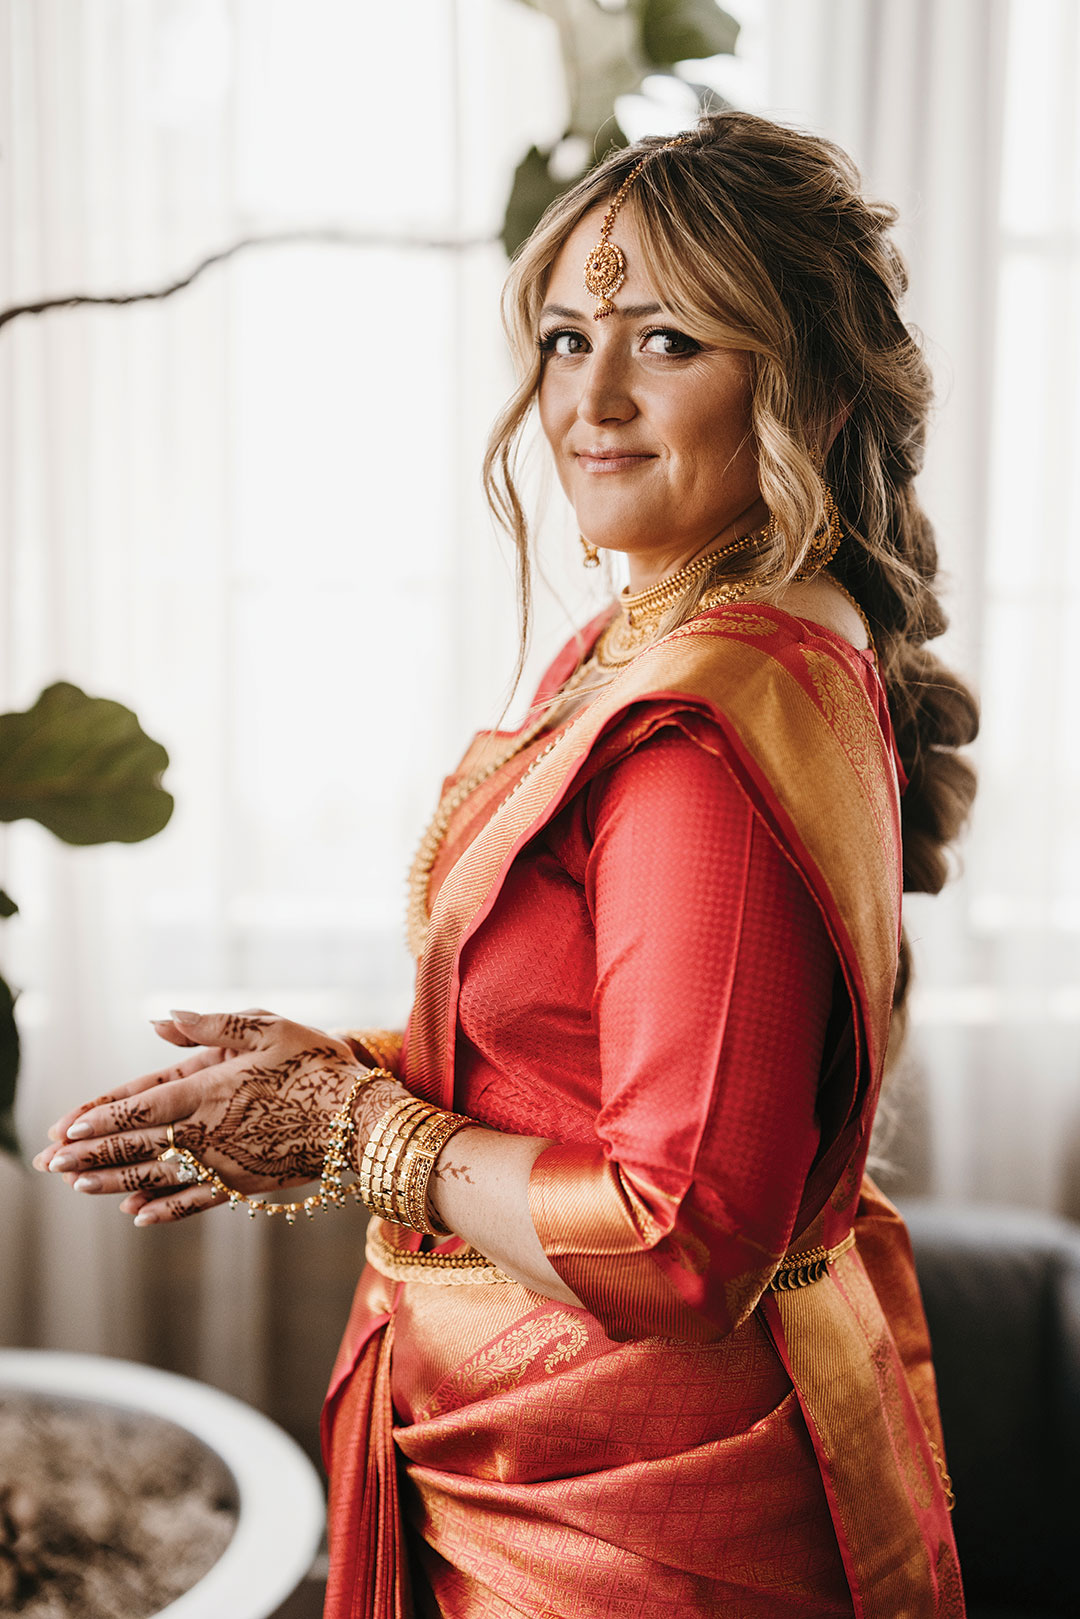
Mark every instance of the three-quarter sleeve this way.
pixel 714 981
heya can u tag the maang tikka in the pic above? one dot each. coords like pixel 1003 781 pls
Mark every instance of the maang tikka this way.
pixel 605 267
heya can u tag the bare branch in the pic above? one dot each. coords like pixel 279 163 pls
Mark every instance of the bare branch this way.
pixel 327 236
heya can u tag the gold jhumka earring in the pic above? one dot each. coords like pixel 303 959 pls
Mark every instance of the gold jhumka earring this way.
pixel 825 543
pixel 605 267
pixel 591 558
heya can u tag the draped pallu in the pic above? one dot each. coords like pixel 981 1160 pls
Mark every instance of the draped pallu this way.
pixel 735 1422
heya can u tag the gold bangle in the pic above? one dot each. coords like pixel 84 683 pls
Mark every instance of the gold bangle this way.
pixel 385 1188
pixel 377 1148
pixel 418 1166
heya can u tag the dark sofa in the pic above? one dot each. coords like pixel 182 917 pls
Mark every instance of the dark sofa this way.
pixel 1002 1293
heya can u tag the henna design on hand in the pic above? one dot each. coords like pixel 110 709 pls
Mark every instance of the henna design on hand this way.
pixel 192 1135
pixel 182 1204
pixel 275 1125
pixel 131 1113
pixel 285 1128
pixel 116 1150
pixel 139 1177
pixel 238 1025
pixel 260 1121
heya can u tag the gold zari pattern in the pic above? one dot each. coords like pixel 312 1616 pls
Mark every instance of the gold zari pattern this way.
pixel 634 628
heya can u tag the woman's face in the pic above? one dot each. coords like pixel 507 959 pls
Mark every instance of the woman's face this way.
pixel 650 429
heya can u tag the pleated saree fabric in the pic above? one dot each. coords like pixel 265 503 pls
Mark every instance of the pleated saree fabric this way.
pixel 664 939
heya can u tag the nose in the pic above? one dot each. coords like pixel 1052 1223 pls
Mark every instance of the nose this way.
pixel 605 388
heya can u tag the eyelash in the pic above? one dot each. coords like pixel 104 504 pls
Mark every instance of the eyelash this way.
pixel 547 340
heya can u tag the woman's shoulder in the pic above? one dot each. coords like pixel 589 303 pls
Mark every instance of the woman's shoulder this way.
pixel 747 672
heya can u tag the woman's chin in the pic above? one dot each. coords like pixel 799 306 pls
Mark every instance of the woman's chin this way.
pixel 628 537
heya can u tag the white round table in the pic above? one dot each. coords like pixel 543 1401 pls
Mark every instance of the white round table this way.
pixel 282 1511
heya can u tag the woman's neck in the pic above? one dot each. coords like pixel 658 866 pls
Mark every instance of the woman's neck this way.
pixel 652 566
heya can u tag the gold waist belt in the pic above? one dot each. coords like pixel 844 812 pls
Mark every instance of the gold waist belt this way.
pixel 449 1270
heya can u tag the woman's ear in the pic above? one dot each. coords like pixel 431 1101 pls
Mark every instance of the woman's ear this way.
pixel 836 423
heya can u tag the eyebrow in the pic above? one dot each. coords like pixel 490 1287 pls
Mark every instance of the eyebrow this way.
pixel 630 311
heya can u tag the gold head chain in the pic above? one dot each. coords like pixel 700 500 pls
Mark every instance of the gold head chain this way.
pixel 605 267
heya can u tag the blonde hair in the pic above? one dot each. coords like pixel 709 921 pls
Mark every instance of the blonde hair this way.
pixel 762 241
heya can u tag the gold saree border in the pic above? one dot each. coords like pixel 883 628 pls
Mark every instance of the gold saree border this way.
pixel 872 1446
pixel 838 809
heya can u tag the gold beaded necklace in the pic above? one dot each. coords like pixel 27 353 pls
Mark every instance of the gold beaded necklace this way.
pixel 631 630
pixel 418 916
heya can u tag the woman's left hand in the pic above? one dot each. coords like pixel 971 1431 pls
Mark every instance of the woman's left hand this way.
pixel 256 1106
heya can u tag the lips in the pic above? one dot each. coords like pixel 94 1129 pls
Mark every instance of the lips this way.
pixel 604 459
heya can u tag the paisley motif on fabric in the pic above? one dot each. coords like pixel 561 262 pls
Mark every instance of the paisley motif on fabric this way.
pixel 741 1293
pixel 502 1365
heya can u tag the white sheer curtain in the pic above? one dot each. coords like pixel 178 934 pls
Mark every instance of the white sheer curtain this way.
pixel 965 114
pixel 253 513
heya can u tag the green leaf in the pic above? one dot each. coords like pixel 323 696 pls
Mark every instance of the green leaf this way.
pixel 9 1070
pixel 533 191
pixel 8 906
pixel 601 57
pixel 84 768
pixel 685 30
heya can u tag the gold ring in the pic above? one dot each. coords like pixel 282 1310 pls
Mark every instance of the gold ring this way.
pixel 170 1137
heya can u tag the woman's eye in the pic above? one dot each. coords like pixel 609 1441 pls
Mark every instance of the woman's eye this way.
pixel 565 344
pixel 667 341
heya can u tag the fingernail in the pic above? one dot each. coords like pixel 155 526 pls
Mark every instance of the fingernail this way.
pixel 53 1133
pixel 79 1128
pixel 63 1160
pixel 144 1217
pixel 184 1017
pixel 161 1022
pixel 87 1183
pixel 36 1161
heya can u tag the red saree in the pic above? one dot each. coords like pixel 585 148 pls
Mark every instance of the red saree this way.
pixel 671 951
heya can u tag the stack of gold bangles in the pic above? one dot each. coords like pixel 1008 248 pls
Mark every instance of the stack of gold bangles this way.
pixel 397 1162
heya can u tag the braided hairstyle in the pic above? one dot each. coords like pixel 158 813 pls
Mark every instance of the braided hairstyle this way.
pixel 762 240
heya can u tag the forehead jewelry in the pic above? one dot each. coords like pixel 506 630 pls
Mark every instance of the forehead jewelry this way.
pixel 605 267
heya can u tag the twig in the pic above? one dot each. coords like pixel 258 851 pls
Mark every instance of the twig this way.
pixel 326 235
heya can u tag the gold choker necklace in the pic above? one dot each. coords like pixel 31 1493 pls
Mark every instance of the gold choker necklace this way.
pixel 659 597
pixel 642 614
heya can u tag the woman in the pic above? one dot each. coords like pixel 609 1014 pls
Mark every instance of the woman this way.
pixel 661 1350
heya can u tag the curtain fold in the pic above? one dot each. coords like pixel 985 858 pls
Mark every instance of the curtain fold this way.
pixel 964 114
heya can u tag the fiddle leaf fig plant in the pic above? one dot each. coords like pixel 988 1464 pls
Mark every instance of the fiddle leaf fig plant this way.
pixel 84 768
